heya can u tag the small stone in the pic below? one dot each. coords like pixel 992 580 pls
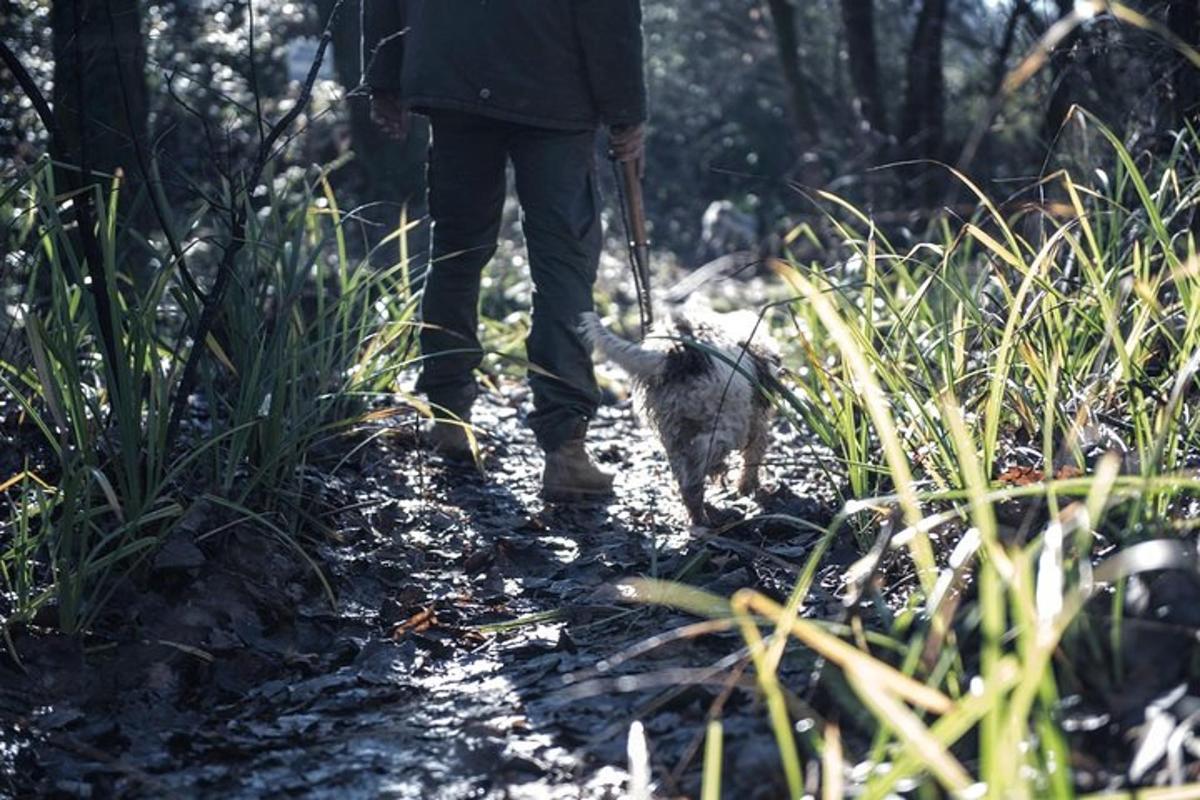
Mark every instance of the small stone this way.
pixel 179 553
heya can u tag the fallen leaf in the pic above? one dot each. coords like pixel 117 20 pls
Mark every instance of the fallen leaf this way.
pixel 1021 476
pixel 419 622
pixel 1024 476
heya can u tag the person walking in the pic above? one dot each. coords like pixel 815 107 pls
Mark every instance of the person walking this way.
pixel 528 82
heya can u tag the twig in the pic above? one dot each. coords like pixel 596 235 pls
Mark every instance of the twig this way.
pixel 715 710
pixel 199 86
pixel 258 115
pixel 362 89
pixel 208 136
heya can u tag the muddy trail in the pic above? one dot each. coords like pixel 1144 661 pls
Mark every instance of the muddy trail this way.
pixel 477 647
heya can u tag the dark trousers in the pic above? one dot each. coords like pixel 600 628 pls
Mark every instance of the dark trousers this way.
pixel 556 185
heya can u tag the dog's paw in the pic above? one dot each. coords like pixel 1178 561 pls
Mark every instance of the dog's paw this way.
pixel 748 488
pixel 723 517
pixel 699 520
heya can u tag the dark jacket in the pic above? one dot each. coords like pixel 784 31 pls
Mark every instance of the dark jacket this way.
pixel 571 64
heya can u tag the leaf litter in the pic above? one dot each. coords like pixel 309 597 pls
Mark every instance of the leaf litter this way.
pixel 461 660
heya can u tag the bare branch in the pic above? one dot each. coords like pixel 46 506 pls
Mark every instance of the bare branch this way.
pixel 258 115
pixel 363 89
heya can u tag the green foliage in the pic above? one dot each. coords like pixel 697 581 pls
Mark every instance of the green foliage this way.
pixel 1085 331
pixel 1060 340
pixel 306 340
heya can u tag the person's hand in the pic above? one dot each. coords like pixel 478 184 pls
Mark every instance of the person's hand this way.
pixel 628 143
pixel 390 114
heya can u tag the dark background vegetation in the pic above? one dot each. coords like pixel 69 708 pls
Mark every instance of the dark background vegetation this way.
pixel 753 101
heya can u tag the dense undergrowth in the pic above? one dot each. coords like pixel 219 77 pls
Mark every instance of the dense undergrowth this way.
pixel 1007 411
pixel 306 339
pixel 1010 413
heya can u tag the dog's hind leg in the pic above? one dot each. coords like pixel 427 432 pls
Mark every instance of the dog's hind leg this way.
pixel 688 469
pixel 752 457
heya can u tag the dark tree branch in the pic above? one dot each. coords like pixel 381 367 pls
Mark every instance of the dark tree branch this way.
pixel 924 102
pixel 258 115
pixel 783 15
pixel 86 216
pixel 1067 82
pixel 139 150
pixel 1183 18
pixel 31 90
pixel 858 17
pixel 922 124
pixel 208 136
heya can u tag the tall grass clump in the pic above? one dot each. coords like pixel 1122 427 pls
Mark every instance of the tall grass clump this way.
pixel 1010 416
pixel 305 339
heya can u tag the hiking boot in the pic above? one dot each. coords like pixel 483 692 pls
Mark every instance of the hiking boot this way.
pixel 447 434
pixel 449 440
pixel 571 476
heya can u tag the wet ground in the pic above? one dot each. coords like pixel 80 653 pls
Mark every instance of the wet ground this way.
pixel 477 648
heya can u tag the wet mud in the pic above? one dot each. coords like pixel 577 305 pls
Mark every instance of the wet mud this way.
pixel 477 648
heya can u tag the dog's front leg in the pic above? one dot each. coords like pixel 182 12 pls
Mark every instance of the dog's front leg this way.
pixel 693 501
pixel 752 457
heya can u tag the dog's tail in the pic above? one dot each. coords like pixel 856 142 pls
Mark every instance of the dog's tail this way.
pixel 633 358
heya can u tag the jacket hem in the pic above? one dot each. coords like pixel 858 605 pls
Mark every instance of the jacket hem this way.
pixel 422 104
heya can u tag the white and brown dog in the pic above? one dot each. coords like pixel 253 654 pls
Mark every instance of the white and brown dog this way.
pixel 701 391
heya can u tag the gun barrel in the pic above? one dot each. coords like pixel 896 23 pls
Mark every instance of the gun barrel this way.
pixel 640 244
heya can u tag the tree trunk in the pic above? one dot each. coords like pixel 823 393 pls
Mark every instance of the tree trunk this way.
pixel 922 125
pixel 783 15
pixel 1183 18
pixel 1066 90
pixel 100 103
pixel 923 121
pixel 391 174
pixel 859 19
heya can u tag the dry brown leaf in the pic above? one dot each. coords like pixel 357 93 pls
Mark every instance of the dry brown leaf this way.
pixel 1021 476
pixel 419 622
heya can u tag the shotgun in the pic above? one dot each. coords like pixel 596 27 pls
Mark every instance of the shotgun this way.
pixel 634 213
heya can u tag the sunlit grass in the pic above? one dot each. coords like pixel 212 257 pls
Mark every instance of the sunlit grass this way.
pixel 1041 361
